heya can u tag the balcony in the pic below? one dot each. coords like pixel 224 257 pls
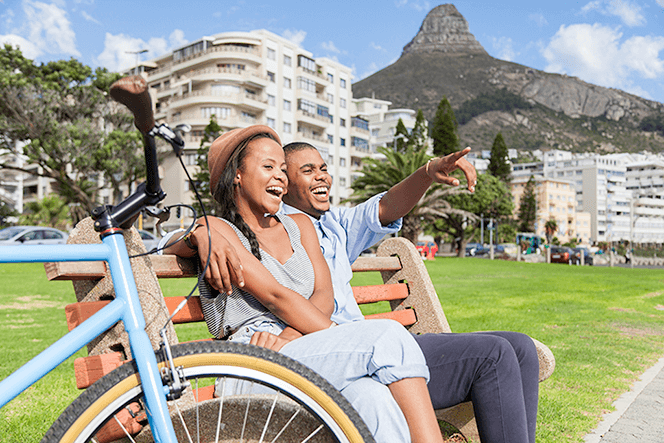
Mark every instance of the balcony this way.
pixel 317 138
pixel 320 79
pixel 233 52
pixel 315 120
pixel 253 102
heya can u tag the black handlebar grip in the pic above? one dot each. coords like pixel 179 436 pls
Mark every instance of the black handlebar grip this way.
pixel 133 92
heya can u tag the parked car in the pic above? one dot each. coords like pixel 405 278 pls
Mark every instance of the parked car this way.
pixel 587 257
pixel 472 249
pixel 32 235
pixel 149 240
pixel 561 254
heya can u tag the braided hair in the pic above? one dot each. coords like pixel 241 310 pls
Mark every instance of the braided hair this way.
pixel 224 194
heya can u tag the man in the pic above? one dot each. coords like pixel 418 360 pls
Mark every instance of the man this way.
pixel 497 371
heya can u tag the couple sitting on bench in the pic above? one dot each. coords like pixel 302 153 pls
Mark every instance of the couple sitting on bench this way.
pixel 279 277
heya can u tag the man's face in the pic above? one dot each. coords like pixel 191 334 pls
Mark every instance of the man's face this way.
pixel 308 182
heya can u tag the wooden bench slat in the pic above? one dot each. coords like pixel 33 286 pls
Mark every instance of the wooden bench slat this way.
pixel 371 294
pixel 191 312
pixel 406 317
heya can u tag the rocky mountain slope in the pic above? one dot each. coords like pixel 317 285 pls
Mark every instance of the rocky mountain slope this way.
pixel 557 111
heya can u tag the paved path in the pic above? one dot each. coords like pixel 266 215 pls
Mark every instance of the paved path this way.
pixel 639 414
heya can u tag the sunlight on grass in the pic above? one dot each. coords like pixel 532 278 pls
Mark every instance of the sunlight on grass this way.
pixel 601 323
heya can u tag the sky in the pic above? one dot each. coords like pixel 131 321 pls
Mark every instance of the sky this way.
pixel 611 43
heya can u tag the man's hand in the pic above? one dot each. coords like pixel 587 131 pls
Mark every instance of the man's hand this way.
pixel 268 340
pixel 225 267
pixel 439 168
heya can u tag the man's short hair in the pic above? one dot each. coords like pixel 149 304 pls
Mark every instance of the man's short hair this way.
pixel 296 147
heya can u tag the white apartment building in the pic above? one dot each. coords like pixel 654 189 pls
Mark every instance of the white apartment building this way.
pixel 257 77
pixel 601 188
pixel 645 180
pixel 381 123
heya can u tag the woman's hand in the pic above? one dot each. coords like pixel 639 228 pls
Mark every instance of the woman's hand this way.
pixel 268 340
pixel 225 266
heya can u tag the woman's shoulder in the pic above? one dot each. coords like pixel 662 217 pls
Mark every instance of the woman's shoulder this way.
pixel 301 220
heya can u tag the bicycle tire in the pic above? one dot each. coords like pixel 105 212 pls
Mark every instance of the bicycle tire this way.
pixel 322 413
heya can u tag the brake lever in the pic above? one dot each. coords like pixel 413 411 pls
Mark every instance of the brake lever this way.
pixel 165 132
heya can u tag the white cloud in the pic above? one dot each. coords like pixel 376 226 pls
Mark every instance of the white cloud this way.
pixel 372 68
pixel 295 36
pixel 373 45
pixel 49 28
pixel 540 19
pixel 417 4
pixel 28 49
pixel 504 47
pixel 119 55
pixel 329 46
pixel 628 12
pixel 90 18
pixel 660 3
pixel 596 54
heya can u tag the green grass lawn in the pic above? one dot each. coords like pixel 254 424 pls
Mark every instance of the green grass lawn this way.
pixel 603 325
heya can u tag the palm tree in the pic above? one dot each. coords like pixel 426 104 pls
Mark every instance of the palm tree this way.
pixel 380 175
pixel 550 228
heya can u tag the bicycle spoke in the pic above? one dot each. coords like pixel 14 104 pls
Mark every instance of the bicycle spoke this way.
pixel 269 416
pixel 115 417
pixel 184 425
pixel 246 412
pixel 286 425
pixel 221 407
pixel 312 434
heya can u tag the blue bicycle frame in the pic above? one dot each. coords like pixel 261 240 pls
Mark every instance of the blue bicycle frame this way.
pixel 125 307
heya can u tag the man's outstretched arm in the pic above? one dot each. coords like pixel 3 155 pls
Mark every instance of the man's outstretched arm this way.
pixel 403 196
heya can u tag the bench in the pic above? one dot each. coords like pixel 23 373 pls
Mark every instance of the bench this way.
pixel 407 287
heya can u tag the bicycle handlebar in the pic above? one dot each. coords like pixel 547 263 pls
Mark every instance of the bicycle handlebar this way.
pixel 133 93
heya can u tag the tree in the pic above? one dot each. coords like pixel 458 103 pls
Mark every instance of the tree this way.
pixel 6 211
pixel 202 177
pixel 528 207
pixel 50 211
pixel 59 116
pixel 491 198
pixel 380 175
pixel 444 130
pixel 550 228
pixel 499 165
pixel 401 136
pixel 418 136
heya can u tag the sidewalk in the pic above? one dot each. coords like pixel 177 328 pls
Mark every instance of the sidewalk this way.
pixel 639 414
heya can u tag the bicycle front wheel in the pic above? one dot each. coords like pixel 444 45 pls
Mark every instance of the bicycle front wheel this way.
pixel 238 393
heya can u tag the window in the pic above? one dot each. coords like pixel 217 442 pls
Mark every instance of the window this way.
pixel 248 117
pixel 287 60
pixel 375 132
pixel 342 102
pixel 287 105
pixel 360 144
pixel 224 89
pixel 190 159
pixel 323 111
pixel 306 63
pixel 330 98
pixel 359 123
pixel 342 83
pixel 271 123
pixel 271 76
pixel 271 100
pixel 330 138
pixel 287 128
pixel 330 78
pixel 271 54
pixel 287 83
pixel 342 141
pixel 306 106
pixel 306 84
pixel 342 181
pixel 342 122
pixel 220 112
pixel 342 161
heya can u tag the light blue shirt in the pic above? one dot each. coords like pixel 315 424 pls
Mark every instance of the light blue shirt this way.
pixel 343 234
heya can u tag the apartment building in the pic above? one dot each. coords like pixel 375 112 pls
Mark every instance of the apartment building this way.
pixel 556 199
pixel 645 180
pixel 257 77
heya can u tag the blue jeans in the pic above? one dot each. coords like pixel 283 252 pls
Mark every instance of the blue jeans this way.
pixel 359 359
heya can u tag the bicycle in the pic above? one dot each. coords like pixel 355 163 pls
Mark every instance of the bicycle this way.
pixel 260 395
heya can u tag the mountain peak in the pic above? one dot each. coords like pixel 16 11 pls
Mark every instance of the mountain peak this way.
pixel 444 29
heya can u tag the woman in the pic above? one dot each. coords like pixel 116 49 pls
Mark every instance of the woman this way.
pixel 287 298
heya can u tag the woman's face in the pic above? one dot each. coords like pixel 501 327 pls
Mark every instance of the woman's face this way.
pixel 261 180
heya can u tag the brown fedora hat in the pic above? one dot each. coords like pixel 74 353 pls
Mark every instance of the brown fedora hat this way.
pixel 223 147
